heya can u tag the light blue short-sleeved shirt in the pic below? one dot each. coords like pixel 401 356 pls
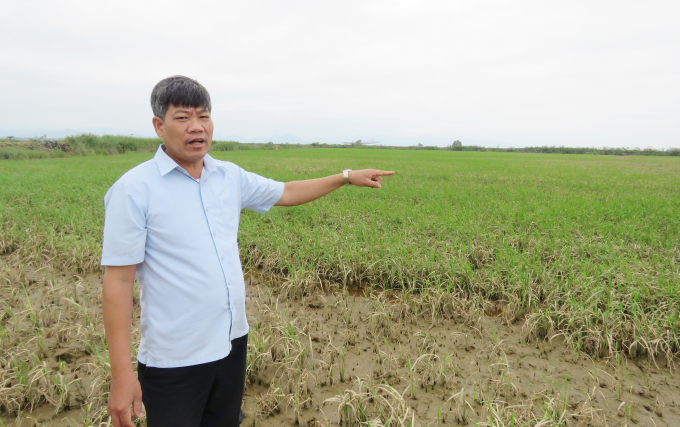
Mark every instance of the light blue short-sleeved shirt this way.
pixel 181 234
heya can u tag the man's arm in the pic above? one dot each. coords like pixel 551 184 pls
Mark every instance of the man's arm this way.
pixel 301 192
pixel 117 311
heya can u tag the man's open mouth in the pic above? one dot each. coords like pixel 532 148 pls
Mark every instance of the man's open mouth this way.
pixel 197 141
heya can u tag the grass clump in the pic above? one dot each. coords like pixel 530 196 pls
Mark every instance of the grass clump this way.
pixel 16 153
pixel 230 146
pixel 87 143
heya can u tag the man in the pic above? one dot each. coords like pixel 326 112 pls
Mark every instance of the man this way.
pixel 172 223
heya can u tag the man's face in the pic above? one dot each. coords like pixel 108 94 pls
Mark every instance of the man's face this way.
pixel 186 132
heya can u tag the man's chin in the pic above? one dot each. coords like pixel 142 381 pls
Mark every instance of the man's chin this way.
pixel 197 152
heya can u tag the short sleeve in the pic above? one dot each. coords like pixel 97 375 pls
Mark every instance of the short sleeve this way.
pixel 259 193
pixel 124 228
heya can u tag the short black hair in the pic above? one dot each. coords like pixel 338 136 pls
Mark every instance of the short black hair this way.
pixel 178 91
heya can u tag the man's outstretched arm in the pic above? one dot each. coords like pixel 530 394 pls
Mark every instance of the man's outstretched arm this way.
pixel 301 192
pixel 117 311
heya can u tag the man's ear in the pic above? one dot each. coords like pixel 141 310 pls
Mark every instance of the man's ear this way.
pixel 158 126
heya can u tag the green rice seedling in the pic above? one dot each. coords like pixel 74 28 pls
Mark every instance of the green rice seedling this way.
pixel 300 395
pixel 60 397
pixel 101 355
pixel 406 307
pixel 259 355
pixel 440 417
pixel 343 310
pixel 342 366
pixel 623 410
pixel 290 344
pixel 449 304
pixel 299 284
pixel 460 407
pixel 328 358
pixel 432 371
pixel 564 394
pixel 630 386
pixel 426 342
pixel 412 382
pixel 352 406
pixel 385 369
pixel 380 321
pixel 350 336
pixel 30 311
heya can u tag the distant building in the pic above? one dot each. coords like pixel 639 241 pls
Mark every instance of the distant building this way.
pixel 9 137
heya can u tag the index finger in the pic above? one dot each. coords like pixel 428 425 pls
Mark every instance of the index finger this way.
pixel 384 173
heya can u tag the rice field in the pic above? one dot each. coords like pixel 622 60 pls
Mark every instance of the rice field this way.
pixel 474 288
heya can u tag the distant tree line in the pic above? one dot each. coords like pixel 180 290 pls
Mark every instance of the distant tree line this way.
pixel 579 150
pixel 87 144
pixel 458 146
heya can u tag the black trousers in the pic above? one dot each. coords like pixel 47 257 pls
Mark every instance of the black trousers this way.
pixel 205 395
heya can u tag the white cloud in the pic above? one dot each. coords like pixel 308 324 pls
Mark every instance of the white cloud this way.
pixel 581 73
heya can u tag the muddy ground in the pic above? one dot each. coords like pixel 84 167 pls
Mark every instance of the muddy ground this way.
pixel 334 356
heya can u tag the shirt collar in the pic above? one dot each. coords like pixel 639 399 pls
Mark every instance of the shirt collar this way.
pixel 209 163
pixel 166 164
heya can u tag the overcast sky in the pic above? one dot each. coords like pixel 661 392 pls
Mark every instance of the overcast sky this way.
pixel 579 73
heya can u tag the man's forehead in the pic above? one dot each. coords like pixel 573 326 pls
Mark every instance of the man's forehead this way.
pixel 186 109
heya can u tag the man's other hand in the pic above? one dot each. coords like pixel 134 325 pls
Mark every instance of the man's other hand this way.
pixel 125 392
pixel 368 177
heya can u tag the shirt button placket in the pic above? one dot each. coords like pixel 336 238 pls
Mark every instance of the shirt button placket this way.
pixel 231 305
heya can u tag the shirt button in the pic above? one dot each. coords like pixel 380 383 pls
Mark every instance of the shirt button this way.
pixel 214 233
pixel 222 258
pixel 207 209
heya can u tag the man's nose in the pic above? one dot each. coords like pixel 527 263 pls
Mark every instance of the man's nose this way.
pixel 194 125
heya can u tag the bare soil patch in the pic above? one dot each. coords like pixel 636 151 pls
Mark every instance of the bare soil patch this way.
pixel 477 369
pixel 330 357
